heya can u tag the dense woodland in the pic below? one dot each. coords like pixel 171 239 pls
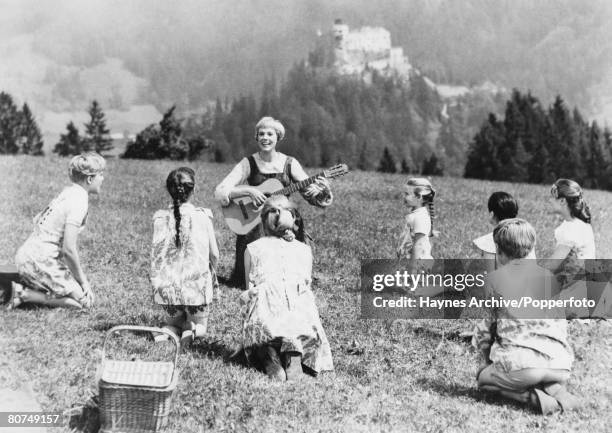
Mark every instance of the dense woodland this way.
pixel 19 132
pixel 538 145
pixel 386 125
pixel 385 122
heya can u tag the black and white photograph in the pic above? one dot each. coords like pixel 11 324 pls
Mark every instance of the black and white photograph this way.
pixel 305 216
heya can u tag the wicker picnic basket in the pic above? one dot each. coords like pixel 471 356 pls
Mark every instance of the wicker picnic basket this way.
pixel 135 395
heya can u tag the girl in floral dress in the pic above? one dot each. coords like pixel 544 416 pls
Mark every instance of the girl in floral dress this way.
pixel 48 262
pixel 183 258
pixel 282 331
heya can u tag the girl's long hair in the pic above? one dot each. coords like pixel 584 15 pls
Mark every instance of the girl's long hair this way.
pixel 281 202
pixel 425 190
pixel 180 184
pixel 572 193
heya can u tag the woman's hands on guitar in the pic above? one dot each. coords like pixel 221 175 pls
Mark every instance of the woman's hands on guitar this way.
pixel 252 192
pixel 319 193
pixel 257 196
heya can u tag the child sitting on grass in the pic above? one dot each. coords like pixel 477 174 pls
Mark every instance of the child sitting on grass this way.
pixel 574 240
pixel 527 359
pixel 501 206
pixel 183 254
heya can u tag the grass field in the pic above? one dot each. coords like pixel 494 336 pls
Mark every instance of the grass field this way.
pixel 388 377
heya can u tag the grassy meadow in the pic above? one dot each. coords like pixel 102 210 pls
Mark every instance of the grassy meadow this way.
pixel 388 376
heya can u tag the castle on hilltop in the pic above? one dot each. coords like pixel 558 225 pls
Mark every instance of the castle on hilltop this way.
pixel 363 51
pixel 354 51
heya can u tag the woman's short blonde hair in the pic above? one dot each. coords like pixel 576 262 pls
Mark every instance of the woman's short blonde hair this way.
pixel 85 164
pixel 270 122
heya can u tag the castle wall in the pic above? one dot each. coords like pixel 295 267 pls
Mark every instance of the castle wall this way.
pixel 369 46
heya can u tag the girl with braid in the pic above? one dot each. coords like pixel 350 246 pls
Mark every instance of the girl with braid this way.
pixel 183 259
pixel 574 240
pixel 414 242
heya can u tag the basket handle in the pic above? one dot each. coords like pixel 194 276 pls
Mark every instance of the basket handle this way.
pixel 115 329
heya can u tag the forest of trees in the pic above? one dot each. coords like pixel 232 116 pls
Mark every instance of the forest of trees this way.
pixel 19 132
pixel 181 55
pixel 538 145
pixel 165 140
pixel 331 118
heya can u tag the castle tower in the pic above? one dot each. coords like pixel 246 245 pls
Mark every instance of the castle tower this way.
pixel 340 31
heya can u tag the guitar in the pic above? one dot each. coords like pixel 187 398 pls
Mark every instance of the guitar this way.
pixel 242 215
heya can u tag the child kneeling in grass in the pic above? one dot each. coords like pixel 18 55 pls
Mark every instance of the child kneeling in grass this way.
pixel 183 258
pixel 48 262
pixel 527 359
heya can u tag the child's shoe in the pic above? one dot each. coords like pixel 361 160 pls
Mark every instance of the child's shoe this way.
pixel 199 330
pixel 272 363
pixel 567 400
pixel 165 337
pixel 16 292
pixel 292 364
pixel 186 338
pixel 543 403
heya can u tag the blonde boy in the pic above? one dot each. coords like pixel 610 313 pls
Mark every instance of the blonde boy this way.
pixel 527 359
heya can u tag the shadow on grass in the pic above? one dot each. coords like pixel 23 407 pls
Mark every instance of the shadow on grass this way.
pixel 216 349
pixel 85 418
pixel 454 335
pixel 452 390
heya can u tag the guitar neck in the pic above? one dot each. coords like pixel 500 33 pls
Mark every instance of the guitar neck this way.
pixel 298 185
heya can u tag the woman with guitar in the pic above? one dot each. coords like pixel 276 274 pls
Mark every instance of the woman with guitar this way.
pixel 267 163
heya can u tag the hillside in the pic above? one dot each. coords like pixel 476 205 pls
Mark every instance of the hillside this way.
pixel 389 376
pixel 60 55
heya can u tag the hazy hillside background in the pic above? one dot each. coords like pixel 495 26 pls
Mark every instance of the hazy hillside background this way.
pixel 58 55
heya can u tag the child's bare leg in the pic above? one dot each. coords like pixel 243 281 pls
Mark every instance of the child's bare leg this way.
pixel 567 400
pixel 177 319
pixel 36 297
pixel 516 385
pixel 521 397
pixel 199 322
pixel 174 324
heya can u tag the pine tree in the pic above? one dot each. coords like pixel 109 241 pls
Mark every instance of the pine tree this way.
pixel 563 134
pixel 432 166
pixel 70 143
pixel 167 140
pixel 405 167
pixel 96 133
pixel 387 163
pixel 9 125
pixel 595 162
pixel 483 161
pixel 605 180
pixel 538 170
pixel 31 138
pixel 172 144
pixel 146 145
